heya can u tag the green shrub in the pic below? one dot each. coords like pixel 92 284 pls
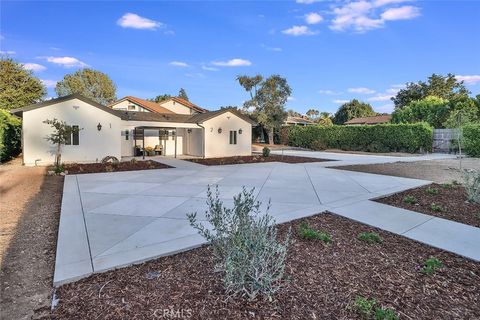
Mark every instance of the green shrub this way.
pixel 308 233
pixel 431 191
pixel 410 199
pixel 436 207
pixel 266 152
pixel 245 245
pixel 471 139
pixel 10 135
pixel 431 265
pixel 377 138
pixel 370 237
pixel 367 309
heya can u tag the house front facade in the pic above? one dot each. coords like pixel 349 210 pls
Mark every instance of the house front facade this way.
pixel 101 131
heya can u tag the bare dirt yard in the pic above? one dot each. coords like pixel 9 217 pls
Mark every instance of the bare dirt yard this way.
pixel 29 209
pixel 439 171
pixel 322 282
pixel 255 159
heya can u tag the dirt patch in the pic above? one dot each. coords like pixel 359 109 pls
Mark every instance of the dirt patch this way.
pixel 450 202
pixel 321 282
pixel 79 168
pixel 30 208
pixel 255 159
pixel 439 171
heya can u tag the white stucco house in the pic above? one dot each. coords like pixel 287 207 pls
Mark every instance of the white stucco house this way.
pixel 126 127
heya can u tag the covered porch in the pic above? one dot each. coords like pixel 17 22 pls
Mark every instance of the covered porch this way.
pixel 170 141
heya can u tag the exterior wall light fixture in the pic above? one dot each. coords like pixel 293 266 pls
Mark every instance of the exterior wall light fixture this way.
pixel 219 130
pixel 240 131
pixel 99 126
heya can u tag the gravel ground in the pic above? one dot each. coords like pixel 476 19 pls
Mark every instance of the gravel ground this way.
pixel 30 208
pixel 322 280
pixel 440 171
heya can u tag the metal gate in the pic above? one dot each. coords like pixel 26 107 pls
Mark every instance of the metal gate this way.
pixel 442 139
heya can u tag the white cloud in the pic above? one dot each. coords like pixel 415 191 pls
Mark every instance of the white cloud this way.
pixel 132 20
pixel 402 13
pixel 307 1
pixel 361 16
pixel 340 101
pixel 34 67
pixel 472 79
pixel 380 3
pixel 49 83
pixel 8 52
pixel 299 31
pixel 67 62
pixel 330 92
pixel 361 90
pixel 178 64
pixel 384 97
pixel 232 63
pixel 291 99
pixel 207 68
pixel 313 18
pixel 276 49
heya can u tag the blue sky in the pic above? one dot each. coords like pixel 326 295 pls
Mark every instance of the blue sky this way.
pixel 329 51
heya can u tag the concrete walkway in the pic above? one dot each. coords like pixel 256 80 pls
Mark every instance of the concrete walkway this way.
pixel 109 220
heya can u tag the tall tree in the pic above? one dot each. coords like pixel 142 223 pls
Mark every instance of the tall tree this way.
pixel 313 113
pixel 183 94
pixel 267 100
pixel 445 87
pixel 161 98
pixel 352 109
pixel 90 83
pixel 18 86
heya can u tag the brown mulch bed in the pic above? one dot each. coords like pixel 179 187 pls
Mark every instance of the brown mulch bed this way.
pixel 255 159
pixel 450 197
pixel 78 168
pixel 322 281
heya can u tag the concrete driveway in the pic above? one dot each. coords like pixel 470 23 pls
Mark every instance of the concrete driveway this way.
pixel 110 220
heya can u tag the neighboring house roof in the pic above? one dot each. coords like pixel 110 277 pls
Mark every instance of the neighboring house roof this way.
pixel 370 120
pixel 149 105
pixel 78 96
pixel 298 120
pixel 186 103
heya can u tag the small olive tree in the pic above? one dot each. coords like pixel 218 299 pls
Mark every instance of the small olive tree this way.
pixel 244 244
pixel 60 135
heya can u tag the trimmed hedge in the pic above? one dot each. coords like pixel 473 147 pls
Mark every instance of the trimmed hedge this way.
pixel 377 138
pixel 10 135
pixel 471 139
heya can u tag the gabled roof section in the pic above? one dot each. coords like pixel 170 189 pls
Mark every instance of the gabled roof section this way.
pixel 149 105
pixel 370 120
pixel 63 99
pixel 202 117
pixel 186 103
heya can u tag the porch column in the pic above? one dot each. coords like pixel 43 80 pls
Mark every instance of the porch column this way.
pixel 175 133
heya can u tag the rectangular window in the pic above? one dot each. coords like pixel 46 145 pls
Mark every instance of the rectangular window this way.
pixel 68 141
pixel 75 135
pixel 233 137
pixel 131 107
pixel 127 133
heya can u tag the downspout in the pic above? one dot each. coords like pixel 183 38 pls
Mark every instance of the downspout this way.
pixel 203 139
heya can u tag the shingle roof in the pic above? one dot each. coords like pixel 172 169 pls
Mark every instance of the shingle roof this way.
pixel 149 105
pixel 370 120
pixel 186 103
